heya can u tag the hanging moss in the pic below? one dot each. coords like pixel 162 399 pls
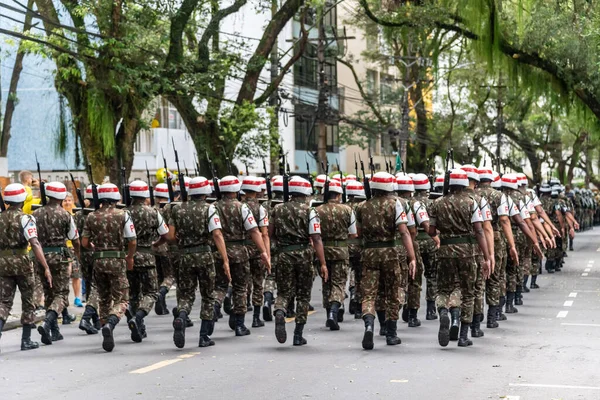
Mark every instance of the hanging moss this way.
pixel 102 121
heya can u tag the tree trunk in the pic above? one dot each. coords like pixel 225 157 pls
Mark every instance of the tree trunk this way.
pixel 419 163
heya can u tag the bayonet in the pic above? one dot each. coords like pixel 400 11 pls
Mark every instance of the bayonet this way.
pixel 180 176
pixel 150 188
pixel 42 184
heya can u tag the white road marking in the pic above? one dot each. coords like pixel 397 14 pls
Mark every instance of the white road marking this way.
pixel 591 261
pixel 568 303
pixel 562 314
pixel 512 397
pixel 585 274
pixel 587 270
pixel 553 386
pixel 573 294
pixel 156 366
pixel 592 325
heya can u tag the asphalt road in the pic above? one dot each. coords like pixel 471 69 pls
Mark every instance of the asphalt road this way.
pixel 549 350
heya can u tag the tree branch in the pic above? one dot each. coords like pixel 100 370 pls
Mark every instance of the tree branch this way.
pixel 178 24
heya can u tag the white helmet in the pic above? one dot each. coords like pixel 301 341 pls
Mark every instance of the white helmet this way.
pixel 88 193
pixel 15 193
pixel 404 183
pixel 320 181
pixel 186 182
pixel 340 178
pixel 230 184
pixel 510 181
pixel 56 190
pixel 161 190
pixel 300 185
pixel 355 188
pixel 199 186
pixel 263 183
pixel 350 177
pixel 421 182
pixel 139 189
pixel 496 181
pixel 275 177
pixel 485 174
pixel 277 184
pixel 383 181
pixel 251 184
pixel 439 181
pixel 522 179
pixel 109 191
pixel 545 188
pixel 459 177
pixel 472 172
pixel 335 186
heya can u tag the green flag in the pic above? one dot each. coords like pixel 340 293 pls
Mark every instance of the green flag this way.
pixel 398 163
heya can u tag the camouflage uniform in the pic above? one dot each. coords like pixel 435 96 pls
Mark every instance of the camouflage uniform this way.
pixel 551 206
pixel 354 253
pixel 16 269
pixel 514 273
pixel 293 223
pixel 269 285
pixel 55 226
pixel 143 283
pixel 257 268
pixel 420 215
pixel 107 228
pixel 164 266
pixel 428 250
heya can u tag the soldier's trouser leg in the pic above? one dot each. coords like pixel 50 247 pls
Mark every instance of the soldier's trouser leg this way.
pixel 194 271
pixel 535 264
pixel 304 283
pixel 429 270
pixel 221 281
pixel 511 275
pixel 479 287
pixel 57 296
pixel 8 285
pixel 467 270
pixel 38 288
pixel 336 283
pixel 448 290
pixel 493 286
pixel 164 270
pixel 270 283
pixel 414 285
pixel 134 281
pixel 356 268
pixel 149 289
pixel 286 283
pixel 403 284
pixel 526 260
pixel 240 274
pixel 113 289
pixel 257 271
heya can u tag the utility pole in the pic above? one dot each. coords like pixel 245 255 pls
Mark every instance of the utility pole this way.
pixel 274 102
pixel 324 93
pixel 500 119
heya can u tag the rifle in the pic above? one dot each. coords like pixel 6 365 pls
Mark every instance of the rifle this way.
pixel 42 184
pixel 355 166
pixel 125 189
pixel 150 188
pixel 286 182
pixel 95 199
pixel 185 169
pixel 310 178
pixel 365 179
pixel 227 161
pixel 447 174
pixel 267 181
pixel 344 197
pixel 78 191
pixel 168 178
pixel 214 177
pixel 179 174
pixel 2 205
pixel 197 166
pixel 247 172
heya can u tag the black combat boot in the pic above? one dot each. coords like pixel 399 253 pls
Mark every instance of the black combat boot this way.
pixel 499 314
pixel 205 329
pixel 56 335
pixel 525 288
pixel 518 297
pixel 26 342
pixel 381 319
pixel 550 266
pixel 240 328
pixel 455 322
pixel 227 301
pixel 405 313
pixel 129 314
pixel 510 308
pixel 85 324
pixel 431 314
pixel 249 302
pixel 298 339
pixel 444 332
pixel 570 244
pixel 358 313
pixel 534 285
pixel 267 307
pixel 340 316
pixel 332 317
pixel 353 301
pixel 66 317
pixel 476 326
pixel 231 321
pixel 290 313
pixel 491 317
pixel 464 341
pixel 96 320
pixel 108 342
pixel 256 322
pixel 45 329
pixel 391 335
pixel 367 342
pixel 179 329
pixel 135 326
pixel 217 312
pixel 211 328
pixel 558 264
pixel 413 321
pixel 160 307
pixel 280 332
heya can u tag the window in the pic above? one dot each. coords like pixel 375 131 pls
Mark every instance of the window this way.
pixel 371 82
pixel 341 99
pixel 305 69
pixel 167 116
pixel 332 139
pixel 144 142
pixel 306 131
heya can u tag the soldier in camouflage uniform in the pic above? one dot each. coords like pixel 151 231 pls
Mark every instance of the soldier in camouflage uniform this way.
pixel 54 227
pixel 294 225
pixel 458 219
pixel 428 246
pixel 269 285
pixel 319 187
pixel 16 269
pixel 107 231
pixel 143 285
pixel 551 204
pixel 251 186
pixel 193 223
pixel 338 224
pixel 238 221
pixel 164 266
pixel 379 219
pixel 356 195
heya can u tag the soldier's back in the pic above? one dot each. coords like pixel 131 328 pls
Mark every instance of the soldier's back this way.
pixel 53 224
